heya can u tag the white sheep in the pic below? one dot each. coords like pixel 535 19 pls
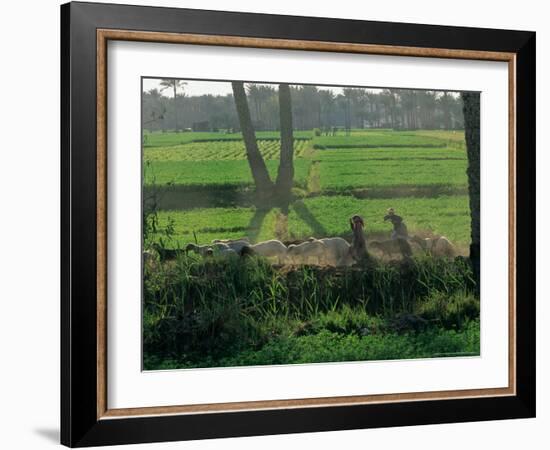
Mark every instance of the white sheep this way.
pixel 437 247
pixel 234 244
pixel 227 253
pixel 207 250
pixel 443 247
pixel 306 252
pixel 268 249
pixel 228 241
pixel 399 246
pixel 337 251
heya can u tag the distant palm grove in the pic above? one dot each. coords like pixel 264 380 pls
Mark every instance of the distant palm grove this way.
pixel 312 108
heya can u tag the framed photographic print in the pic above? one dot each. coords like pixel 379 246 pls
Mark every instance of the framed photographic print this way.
pixel 276 224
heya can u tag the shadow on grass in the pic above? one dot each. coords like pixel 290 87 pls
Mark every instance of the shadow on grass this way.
pixel 305 214
pixel 208 196
pixel 256 222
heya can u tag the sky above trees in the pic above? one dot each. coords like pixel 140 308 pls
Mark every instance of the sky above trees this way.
pixel 195 88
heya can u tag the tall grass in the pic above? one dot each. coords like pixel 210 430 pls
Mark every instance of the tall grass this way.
pixel 199 312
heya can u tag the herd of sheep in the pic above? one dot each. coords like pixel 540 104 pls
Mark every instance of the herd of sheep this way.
pixel 330 251
pixel 323 252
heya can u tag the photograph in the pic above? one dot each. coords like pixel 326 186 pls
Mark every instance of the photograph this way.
pixel 307 223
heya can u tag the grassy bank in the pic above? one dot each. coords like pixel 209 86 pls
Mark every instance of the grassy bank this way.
pixel 245 312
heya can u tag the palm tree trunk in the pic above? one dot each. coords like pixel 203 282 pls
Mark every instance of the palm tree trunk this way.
pixel 264 185
pixel 285 175
pixel 471 127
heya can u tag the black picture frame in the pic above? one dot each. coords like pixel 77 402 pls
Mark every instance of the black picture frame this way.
pixel 80 425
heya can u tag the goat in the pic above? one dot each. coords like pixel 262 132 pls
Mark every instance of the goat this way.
pixel 207 250
pixel 268 249
pixel 234 244
pixel 392 246
pixel 165 253
pixel 436 247
pixel 228 252
pixel 304 252
pixel 358 244
pixel 337 251
pixel 228 241
pixel 151 259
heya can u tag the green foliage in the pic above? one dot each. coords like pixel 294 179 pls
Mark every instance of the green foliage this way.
pixel 450 311
pixel 327 346
pixel 201 312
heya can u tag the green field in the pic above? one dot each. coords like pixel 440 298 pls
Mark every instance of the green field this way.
pixel 157 139
pixel 214 173
pixel 320 217
pixel 345 174
pixel 378 139
pixel 218 150
pixel 420 173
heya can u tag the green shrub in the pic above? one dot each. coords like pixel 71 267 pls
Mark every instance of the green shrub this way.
pixel 195 307
pixel 327 346
pixel 449 310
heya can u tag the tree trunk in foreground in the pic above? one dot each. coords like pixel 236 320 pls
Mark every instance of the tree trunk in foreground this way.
pixel 285 175
pixel 471 128
pixel 264 185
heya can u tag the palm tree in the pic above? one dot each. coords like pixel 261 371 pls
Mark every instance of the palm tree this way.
pixel 391 96
pixel 253 93
pixel 260 95
pixel 152 102
pixel 427 103
pixel 445 102
pixel 471 128
pixel 309 98
pixel 285 175
pixel 173 84
pixel 408 102
pixel 326 101
pixel 347 102
pixel 264 185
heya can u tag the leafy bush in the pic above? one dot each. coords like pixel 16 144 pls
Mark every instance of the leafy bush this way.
pixel 449 310
pixel 327 346
pixel 204 312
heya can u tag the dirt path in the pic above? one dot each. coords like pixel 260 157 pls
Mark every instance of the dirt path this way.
pixel 281 227
pixel 314 178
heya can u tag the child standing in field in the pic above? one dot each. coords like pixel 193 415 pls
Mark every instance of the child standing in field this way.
pixel 399 227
